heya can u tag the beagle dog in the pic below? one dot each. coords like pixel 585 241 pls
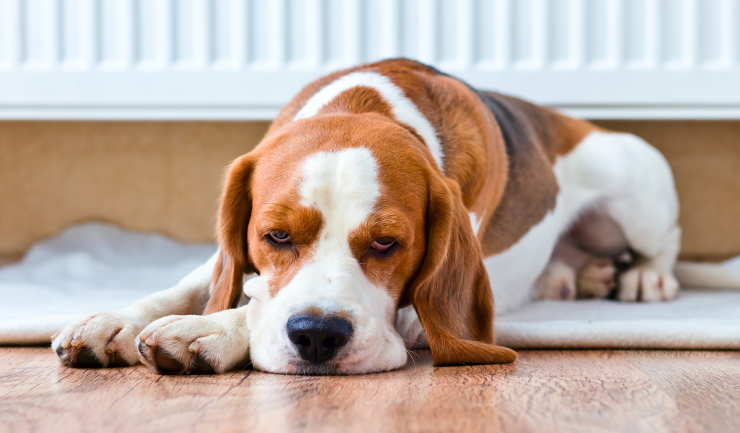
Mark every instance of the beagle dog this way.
pixel 386 207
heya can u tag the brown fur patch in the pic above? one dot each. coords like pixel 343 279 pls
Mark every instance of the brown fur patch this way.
pixel 313 311
pixel 357 100
pixel 534 137
pixel 475 152
pixel 233 220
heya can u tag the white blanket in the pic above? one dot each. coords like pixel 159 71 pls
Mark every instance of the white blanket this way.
pixel 87 268
pixel 97 267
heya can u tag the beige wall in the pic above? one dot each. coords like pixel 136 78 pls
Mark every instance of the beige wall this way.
pixel 155 176
pixel 164 177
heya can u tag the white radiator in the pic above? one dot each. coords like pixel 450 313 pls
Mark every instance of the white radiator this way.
pixel 244 59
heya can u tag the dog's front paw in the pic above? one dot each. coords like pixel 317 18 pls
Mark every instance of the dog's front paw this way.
pixel 100 340
pixel 195 344
pixel 647 285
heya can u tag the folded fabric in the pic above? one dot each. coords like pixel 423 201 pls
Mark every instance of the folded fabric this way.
pixel 88 268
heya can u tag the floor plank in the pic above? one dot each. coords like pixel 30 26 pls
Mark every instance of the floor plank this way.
pixel 545 391
pixel 705 385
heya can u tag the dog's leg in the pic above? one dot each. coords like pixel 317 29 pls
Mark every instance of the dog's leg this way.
pixel 575 273
pixel 196 344
pixel 619 196
pixel 572 273
pixel 643 203
pixel 651 278
pixel 108 339
pixel 557 281
pixel 596 278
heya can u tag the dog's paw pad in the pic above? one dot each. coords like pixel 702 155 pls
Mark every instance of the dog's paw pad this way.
pixel 78 357
pixel 201 366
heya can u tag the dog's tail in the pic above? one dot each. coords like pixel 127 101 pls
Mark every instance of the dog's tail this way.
pixel 707 275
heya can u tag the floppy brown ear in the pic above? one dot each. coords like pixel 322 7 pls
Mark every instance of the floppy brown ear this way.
pixel 452 294
pixel 234 212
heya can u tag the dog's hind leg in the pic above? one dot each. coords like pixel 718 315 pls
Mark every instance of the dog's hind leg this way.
pixel 642 202
pixel 575 273
pixel 652 278
pixel 558 279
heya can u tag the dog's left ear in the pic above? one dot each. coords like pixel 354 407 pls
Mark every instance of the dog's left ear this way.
pixel 452 294
pixel 234 212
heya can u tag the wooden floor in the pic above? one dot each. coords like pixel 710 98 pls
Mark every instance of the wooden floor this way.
pixel 545 391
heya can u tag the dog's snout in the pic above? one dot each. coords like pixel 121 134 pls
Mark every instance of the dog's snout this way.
pixel 318 338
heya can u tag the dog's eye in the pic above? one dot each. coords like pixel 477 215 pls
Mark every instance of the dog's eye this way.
pixel 279 237
pixel 383 245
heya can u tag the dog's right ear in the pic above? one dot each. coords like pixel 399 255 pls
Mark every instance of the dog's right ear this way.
pixel 234 212
pixel 452 294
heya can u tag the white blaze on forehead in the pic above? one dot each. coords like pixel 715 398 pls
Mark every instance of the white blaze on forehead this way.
pixel 343 186
pixel 403 109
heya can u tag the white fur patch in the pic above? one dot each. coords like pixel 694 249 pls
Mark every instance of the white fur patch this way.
pixel 475 222
pixel 343 186
pixel 403 109
pixel 513 272
pixel 621 175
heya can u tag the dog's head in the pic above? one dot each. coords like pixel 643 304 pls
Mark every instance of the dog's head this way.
pixel 346 219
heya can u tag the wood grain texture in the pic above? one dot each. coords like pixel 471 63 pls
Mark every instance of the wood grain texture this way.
pixel 545 391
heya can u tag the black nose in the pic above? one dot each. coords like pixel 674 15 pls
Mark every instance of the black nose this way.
pixel 318 338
